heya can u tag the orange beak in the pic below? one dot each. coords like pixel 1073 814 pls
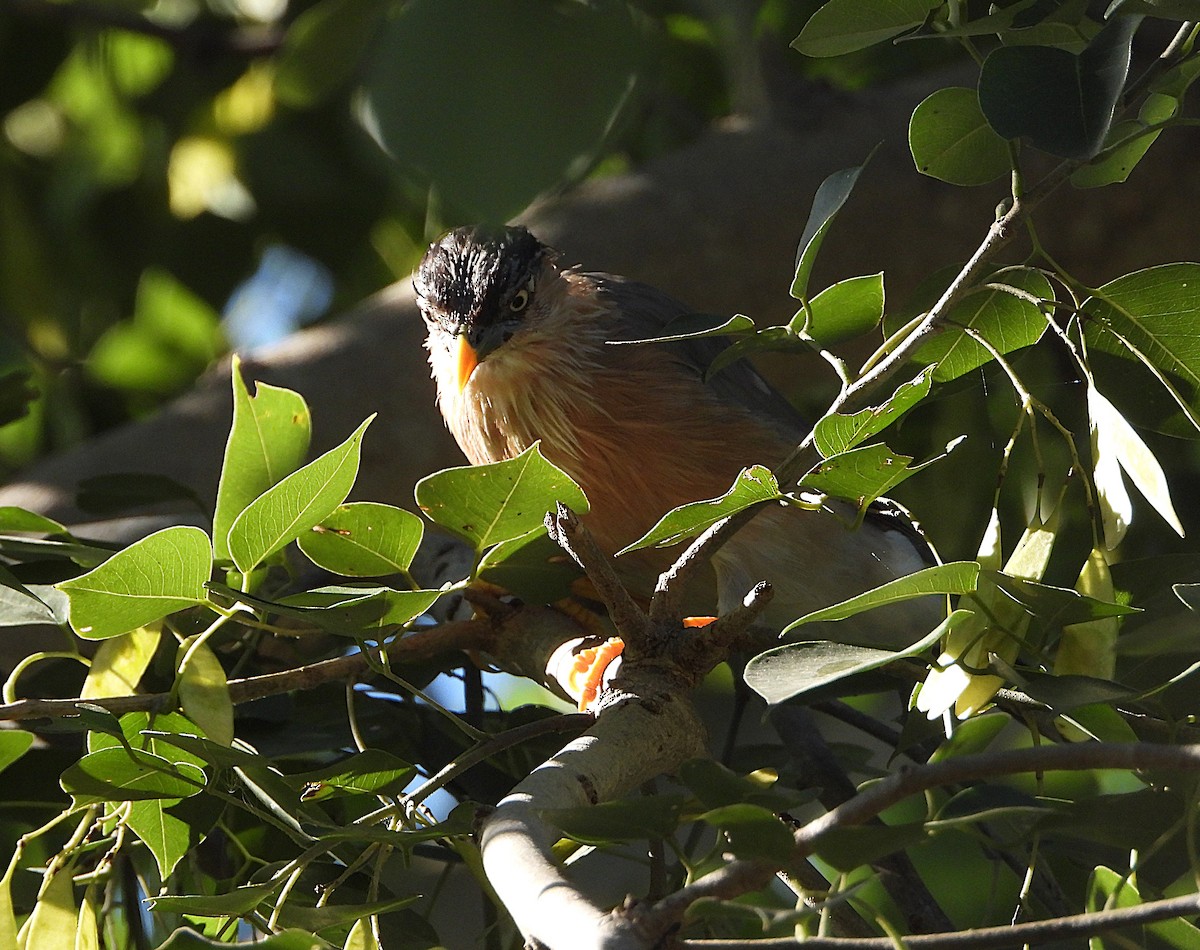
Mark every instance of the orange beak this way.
pixel 467 360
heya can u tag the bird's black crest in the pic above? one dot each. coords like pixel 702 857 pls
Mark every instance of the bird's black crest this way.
pixel 468 277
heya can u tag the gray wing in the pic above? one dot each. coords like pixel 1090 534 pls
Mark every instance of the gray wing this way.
pixel 642 311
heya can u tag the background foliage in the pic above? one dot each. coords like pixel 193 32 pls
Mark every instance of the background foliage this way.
pixel 176 178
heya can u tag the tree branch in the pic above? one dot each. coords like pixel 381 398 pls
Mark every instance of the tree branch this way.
pixel 1010 935
pixel 740 877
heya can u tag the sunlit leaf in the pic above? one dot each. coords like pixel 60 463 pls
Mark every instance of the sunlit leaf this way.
pixel 364 539
pixel 845 310
pixel 838 433
pixel 151 578
pixel 753 486
pixel 371 771
pixel 124 775
pixel 1109 889
pixel 267 441
pixel 951 140
pixel 1117 448
pixel 55 915
pixel 1089 648
pixel 119 663
pixel 361 936
pixel 1008 321
pixel 488 504
pixel 1149 318
pixel 204 691
pixel 957 577
pixel 14 743
pixel 296 504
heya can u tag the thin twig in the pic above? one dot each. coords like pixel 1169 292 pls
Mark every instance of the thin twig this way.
pixel 984 938
pixel 460 635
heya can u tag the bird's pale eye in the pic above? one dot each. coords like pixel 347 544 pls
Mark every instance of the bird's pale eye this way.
pixel 519 301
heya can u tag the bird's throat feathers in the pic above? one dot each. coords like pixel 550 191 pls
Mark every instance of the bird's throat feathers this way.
pixel 534 387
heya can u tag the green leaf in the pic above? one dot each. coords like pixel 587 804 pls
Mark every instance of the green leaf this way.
pixel 344 609
pixel 296 504
pixel 1111 167
pixel 843 26
pixel 364 539
pixel 786 671
pixel 314 919
pixel 695 326
pixel 119 663
pixel 1110 890
pixel 361 936
pixel 181 742
pixel 951 140
pixel 753 486
pixel 827 202
pixel 21 605
pixel 14 743
pixel 235 903
pixel 846 310
pixel 1066 693
pixel 127 775
pixel 13 519
pixel 847 848
pixel 532 567
pixel 1117 448
pixel 1054 605
pixel 627 820
pixel 38 549
pixel 957 577
pixel 1008 321
pixel 167 829
pixel 268 440
pixel 1148 319
pixel 488 504
pixel 715 786
pixel 971 736
pixel 753 832
pixel 151 578
pixel 204 691
pixel 838 433
pixel 441 91
pixel 187 939
pixel 768 339
pixel 864 474
pixel 54 920
pixel 324 47
pixel 172 338
pixel 145 731
pixel 1062 102
pixel 373 771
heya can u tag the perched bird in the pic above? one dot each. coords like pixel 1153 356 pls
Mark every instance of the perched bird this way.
pixel 519 348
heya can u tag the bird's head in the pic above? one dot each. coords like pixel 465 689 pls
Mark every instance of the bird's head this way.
pixel 477 288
